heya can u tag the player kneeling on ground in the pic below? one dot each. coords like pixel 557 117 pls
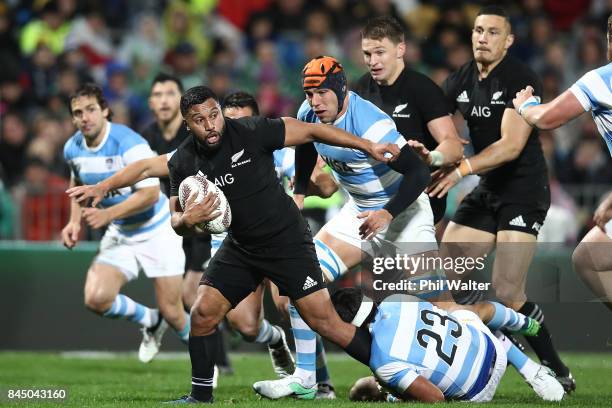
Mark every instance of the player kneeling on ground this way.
pixel 420 352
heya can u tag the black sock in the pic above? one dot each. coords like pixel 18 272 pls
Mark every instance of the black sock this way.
pixel 202 350
pixel 360 346
pixel 542 343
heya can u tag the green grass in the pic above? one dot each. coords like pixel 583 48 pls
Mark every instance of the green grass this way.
pixel 123 381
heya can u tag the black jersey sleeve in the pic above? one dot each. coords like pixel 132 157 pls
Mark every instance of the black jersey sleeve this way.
pixel 449 89
pixel 305 161
pixel 416 178
pixel 175 174
pixel 520 80
pixel 269 133
pixel 431 101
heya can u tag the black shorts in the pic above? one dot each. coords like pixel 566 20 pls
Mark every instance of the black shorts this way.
pixel 197 252
pixel 236 272
pixel 484 210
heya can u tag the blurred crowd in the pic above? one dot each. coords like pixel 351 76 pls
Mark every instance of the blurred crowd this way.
pixel 49 47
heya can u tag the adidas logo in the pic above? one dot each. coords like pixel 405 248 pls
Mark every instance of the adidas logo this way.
pixel 463 97
pixel 309 283
pixel 518 221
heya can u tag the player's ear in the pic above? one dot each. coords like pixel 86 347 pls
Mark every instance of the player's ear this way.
pixel 105 112
pixel 509 41
pixel 400 50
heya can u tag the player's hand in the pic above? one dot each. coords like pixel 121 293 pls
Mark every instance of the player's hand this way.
pixel 384 152
pixel 603 213
pixel 70 234
pixel 442 180
pixel 420 149
pixel 82 193
pixel 196 213
pixel 298 199
pixel 522 96
pixel 96 217
pixel 375 221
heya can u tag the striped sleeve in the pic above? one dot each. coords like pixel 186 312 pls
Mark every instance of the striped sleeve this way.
pixel 397 375
pixel 135 148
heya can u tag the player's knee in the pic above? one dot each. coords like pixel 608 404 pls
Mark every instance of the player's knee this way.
pixel 331 264
pixel 580 259
pixel 97 301
pixel 203 319
pixel 509 292
pixel 247 326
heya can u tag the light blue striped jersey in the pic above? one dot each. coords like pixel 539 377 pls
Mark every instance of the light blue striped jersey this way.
pixel 412 338
pixel 284 163
pixel 119 147
pixel 594 91
pixel 369 183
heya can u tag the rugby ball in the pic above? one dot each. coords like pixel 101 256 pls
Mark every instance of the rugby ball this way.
pixel 201 186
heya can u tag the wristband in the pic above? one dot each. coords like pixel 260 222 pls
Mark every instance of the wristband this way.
pixel 531 101
pixel 437 158
pixel 465 168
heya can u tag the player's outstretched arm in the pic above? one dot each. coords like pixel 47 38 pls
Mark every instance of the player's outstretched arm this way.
pixel 450 146
pixel 70 233
pixel 129 175
pixel 298 132
pixel 141 199
pixel 551 115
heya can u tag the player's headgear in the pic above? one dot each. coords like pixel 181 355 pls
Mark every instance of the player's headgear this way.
pixel 325 72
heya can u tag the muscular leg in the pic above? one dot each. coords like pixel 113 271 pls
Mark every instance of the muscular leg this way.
pixel 246 317
pixel 191 281
pixel 102 296
pixel 208 310
pixel 281 302
pixel 593 263
pixel 510 269
pixel 168 293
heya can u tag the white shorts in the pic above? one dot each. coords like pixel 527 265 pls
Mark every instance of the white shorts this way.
pixel 160 254
pixel 414 225
pixel 487 393
pixel 608 228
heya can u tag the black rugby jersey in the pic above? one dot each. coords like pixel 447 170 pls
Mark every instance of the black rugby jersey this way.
pixel 412 101
pixel 153 134
pixel 482 104
pixel 263 215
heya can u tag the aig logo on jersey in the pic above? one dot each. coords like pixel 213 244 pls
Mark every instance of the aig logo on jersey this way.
pixel 236 157
pixel 220 181
pixel 481 111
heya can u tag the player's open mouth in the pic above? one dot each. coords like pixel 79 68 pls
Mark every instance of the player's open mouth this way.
pixel 376 71
pixel 212 138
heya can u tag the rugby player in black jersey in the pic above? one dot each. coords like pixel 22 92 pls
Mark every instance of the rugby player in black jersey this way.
pixel 267 238
pixel 510 202
pixel 416 104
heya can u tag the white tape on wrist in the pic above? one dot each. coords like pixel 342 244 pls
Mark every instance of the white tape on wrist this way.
pixel 531 101
pixel 437 158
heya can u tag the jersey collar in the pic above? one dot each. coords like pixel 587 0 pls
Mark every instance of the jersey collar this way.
pixel 99 146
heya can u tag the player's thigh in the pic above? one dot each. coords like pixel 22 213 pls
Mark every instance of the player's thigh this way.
pixel 593 252
pixel 318 312
pixel 168 290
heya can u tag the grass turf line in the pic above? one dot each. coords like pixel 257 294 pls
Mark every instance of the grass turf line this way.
pixel 123 381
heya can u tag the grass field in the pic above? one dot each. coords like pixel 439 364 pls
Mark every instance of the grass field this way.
pixel 122 381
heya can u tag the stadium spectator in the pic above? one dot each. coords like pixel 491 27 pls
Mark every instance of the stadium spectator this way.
pixel 90 35
pixel 13 146
pixel 50 29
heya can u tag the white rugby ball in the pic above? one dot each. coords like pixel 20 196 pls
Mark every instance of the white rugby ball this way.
pixel 201 186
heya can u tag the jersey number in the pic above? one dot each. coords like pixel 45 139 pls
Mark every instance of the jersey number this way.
pixel 424 335
pixel 338 166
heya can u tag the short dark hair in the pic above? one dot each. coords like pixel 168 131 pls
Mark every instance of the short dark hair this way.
pixel 347 301
pixel 163 77
pixel 383 27
pixel 495 11
pixel 91 89
pixel 195 96
pixel 241 100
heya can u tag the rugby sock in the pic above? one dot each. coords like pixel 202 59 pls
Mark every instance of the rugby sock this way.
pixel 184 332
pixel 525 366
pixel 505 317
pixel 125 308
pixel 360 346
pixel 542 342
pixel 322 372
pixel 202 350
pixel 305 348
pixel 268 334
